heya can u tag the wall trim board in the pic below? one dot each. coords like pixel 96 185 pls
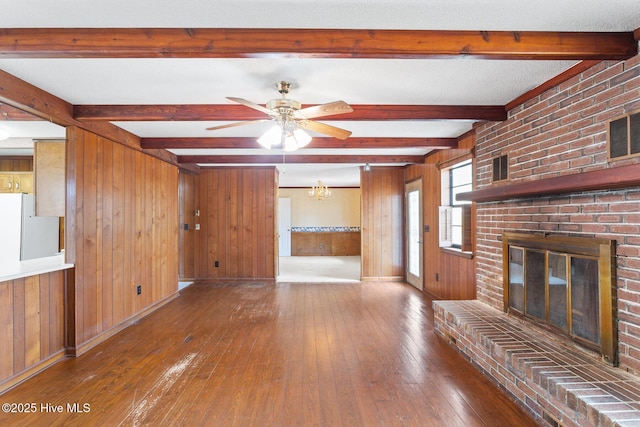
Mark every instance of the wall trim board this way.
pixel 383 279
pixel 267 280
pixel 99 339
pixel 32 370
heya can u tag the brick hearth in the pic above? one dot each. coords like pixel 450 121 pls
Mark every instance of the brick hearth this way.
pixel 553 379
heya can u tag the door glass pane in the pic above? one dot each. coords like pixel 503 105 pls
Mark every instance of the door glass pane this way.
pixel 516 279
pixel 585 299
pixel 413 209
pixel 557 278
pixel 535 279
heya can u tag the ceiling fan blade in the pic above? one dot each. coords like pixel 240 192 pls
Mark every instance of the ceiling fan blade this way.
pixel 231 125
pixel 253 105
pixel 324 129
pixel 330 109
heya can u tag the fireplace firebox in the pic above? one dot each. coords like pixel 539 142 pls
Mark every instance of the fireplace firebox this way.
pixel 566 284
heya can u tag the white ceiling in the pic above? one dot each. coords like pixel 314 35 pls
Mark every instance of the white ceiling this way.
pixel 315 80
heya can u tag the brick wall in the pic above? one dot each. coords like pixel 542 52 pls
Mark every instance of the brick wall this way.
pixel 561 132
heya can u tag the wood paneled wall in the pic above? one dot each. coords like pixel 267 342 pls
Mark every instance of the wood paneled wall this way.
pixel 382 228
pixel 455 274
pixel 31 325
pixel 16 163
pixel 122 222
pixel 238 223
pixel 188 194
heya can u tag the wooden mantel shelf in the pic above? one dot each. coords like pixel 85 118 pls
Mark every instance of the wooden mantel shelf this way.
pixel 604 179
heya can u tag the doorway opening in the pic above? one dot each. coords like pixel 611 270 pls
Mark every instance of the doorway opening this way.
pixel 319 241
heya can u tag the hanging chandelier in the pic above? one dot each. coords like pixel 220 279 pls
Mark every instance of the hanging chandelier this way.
pixel 319 192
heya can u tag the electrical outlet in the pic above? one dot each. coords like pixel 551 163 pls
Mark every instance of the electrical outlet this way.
pixel 217 264
pixel 197 227
pixel 139 289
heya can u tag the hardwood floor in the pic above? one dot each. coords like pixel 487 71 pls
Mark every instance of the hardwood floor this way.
pixel 286 354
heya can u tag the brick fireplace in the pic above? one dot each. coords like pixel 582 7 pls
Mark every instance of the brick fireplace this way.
pixel 565 284
pixel 557 140
pixel 548 345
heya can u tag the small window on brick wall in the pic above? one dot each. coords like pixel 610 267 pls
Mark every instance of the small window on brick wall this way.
pixel 624 136
pixel 454 215
pixel 500 168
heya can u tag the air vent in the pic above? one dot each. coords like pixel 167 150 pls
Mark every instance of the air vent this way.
pixel 500 168
pixel 624 136
pixel 550 419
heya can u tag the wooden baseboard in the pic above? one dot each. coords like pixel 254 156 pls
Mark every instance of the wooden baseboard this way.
pixel 383 279
pixel 98 339
pixel 18 378
pixel 235 279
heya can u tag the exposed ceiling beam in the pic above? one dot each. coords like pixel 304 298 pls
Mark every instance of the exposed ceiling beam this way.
pixel 7 112
pixel 24 96
pixel 321 43
pixel 293 158
pixel 232 112
pixel 316 142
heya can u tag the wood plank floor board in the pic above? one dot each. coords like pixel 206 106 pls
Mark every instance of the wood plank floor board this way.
pixel 264 354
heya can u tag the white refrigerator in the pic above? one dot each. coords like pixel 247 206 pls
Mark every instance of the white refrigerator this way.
pixel 24 235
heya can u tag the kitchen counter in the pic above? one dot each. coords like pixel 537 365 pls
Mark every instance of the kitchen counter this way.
pixel 17 270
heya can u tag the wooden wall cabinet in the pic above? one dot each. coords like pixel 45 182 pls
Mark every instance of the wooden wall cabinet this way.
pixel 50 180
pixel 16 182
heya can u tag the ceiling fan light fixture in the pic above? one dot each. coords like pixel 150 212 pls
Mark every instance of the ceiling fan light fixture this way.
pixel 292 141
pixel 271 138
pixel 295 140
pixel 290 144
pixel 302 138
pixel 290 118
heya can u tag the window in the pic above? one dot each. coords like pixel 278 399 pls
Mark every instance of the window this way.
pixel 455 216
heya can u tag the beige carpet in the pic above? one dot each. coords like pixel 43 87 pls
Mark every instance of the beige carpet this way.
pixel 319 269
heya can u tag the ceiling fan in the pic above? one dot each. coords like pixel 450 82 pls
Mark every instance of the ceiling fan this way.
pixel 291 120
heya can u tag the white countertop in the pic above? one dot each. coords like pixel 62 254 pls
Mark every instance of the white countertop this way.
pixel 17 270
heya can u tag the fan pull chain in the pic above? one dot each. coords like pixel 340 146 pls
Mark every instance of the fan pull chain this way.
pixel 283 162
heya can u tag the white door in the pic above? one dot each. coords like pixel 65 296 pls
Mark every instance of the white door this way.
pixel 414 244
pixel 284 226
